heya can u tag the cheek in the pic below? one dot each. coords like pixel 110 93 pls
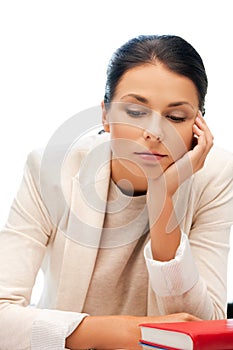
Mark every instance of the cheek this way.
pixel 125 132
pixel 186 134
pixel 178 140
pixel 124 140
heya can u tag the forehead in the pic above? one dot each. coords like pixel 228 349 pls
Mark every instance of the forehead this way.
pixel 157 84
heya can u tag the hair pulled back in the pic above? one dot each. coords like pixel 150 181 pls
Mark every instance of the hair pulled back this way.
pixel 171 50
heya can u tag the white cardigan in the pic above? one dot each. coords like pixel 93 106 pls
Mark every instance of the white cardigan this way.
pixel 53 224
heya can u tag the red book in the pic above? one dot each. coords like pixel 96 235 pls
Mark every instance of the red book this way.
pixel 197 335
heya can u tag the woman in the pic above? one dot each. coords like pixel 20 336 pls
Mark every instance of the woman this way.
pixel 136 226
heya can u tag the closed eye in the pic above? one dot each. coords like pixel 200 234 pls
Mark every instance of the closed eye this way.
pixel 136 113
pixel 176 119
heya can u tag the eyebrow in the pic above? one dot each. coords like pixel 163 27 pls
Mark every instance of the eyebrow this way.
pixel 144 100
pixel 137 97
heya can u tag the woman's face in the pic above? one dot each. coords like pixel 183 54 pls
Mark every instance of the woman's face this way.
pixel 150 120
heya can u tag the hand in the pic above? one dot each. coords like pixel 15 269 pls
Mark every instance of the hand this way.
pixel 191 162
pixel 162 217
pixel 204 143
pixel 116 332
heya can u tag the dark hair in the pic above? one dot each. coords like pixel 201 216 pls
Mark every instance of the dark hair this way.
pixel 173 51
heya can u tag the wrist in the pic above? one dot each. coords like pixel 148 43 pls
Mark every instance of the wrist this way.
pixel 105 332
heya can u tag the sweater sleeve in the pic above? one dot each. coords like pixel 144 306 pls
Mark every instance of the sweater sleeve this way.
pixel 176 276
pixel 23 243
pixel 51 328
pixel 195 281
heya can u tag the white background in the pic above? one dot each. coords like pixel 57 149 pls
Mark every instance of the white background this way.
pixel 54 56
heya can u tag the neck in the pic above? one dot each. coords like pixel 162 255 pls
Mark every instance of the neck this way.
pixel 130 182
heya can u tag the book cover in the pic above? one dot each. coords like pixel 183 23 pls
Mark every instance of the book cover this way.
pixel 197 335
pixel 148 347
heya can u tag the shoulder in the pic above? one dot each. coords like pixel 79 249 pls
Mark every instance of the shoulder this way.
pixel 218 166
pixel 214 182
pixel 51 171
pixel 55 157
pixel 219 156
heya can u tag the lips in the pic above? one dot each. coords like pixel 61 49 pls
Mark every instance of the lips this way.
pixel 154 156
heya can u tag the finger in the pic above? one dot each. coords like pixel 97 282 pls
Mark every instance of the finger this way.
pixel 204 143
pixel 201 140
pixel 202 125
pixel 200 151
pixel 203 133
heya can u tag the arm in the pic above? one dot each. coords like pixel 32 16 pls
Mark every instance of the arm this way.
pixel 164 228
pixel 115 332
pixel 195 280
pixel 23 243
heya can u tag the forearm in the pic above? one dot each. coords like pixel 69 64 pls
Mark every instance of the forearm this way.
pixel 197 301
pixel 164 230
pixel 105 332
pixel 184 285
pixel 116 332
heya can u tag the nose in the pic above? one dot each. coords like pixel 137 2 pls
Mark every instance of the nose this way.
pixel 153 130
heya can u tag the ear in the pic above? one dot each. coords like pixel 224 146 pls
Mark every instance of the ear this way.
pixel 104 118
